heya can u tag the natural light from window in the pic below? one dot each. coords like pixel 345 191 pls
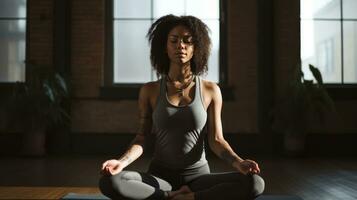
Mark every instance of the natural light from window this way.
pixel 132 19
pixel 12 40
pixel 329 39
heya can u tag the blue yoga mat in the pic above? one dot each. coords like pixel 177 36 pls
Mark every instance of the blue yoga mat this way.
pixel 78 196
pixel 278 197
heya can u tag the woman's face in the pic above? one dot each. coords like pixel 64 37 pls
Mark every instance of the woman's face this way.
pixel 180 45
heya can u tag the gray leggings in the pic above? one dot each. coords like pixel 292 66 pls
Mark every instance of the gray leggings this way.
pixel 128 185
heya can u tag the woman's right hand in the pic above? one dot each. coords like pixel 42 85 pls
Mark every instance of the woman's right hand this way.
pixel 112 167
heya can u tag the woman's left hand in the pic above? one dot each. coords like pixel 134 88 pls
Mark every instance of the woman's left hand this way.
pixel 247 166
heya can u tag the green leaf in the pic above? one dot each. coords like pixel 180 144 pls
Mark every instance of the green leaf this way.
pixel 317 74
pixel 62 83
pixel 48 91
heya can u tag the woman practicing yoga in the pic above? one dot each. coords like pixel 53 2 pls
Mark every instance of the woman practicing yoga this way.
pixel 174 111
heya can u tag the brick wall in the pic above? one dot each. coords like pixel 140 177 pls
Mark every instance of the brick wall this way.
pixel 87 47
pixel 241 115
pixel 89 113
pixel 40 32
pixel 287 42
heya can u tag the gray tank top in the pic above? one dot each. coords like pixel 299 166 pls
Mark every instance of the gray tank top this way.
pixel 179 139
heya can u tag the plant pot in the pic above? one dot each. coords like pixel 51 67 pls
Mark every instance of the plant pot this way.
pixel 294 143
pixel 34 142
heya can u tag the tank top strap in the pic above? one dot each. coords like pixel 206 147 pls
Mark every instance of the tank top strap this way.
pixel 198 91
pixel 162 87
pixel 197 88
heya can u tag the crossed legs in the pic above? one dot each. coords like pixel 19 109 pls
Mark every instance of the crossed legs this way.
pixel 135 185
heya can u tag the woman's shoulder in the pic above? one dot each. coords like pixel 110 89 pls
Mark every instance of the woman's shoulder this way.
pixel 211 91
pixel 151 85
pixel 210 86
pixel 150 88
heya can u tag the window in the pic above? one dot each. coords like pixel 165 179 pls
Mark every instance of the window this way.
pixel 12 40
pixel 329 39
pixel 131 19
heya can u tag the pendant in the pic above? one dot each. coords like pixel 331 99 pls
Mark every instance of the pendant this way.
pixel 180 92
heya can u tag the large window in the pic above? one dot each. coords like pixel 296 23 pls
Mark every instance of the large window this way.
pixel 12 40
pixel 131 21
pixel 329 39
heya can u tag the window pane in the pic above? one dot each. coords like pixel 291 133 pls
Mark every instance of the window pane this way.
pixel 127 32
pixel 349 9
pixel 164 7
pixel 327 9
pixel 12 50
pixel 132 9
pixel 131 52
pixel 213 62
pixel 12 8
pixel 350 51
pixel 210 11
pixel 321 46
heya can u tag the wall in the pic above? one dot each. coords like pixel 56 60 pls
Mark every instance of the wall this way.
pixel 40 32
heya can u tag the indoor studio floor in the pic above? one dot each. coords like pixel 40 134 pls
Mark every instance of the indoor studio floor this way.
pixel 52 177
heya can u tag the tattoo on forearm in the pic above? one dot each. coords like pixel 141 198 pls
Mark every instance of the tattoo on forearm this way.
pixel 227 156
pixel 125 159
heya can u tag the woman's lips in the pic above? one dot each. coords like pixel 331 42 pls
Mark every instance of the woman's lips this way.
pixel 180 54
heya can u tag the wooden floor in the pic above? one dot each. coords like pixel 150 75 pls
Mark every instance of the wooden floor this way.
pixel 42 192
pixel 52 177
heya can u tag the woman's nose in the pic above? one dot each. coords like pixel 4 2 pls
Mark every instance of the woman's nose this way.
pixel 181 44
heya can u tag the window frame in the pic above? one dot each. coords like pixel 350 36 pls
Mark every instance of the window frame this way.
pixel 130 91
pixel 6 88
pixel 338 91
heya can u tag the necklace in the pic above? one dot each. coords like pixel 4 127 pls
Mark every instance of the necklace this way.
pixel 181 90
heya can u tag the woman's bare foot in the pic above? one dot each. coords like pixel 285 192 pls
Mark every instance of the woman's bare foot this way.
pixel 185 196
pixel 183 190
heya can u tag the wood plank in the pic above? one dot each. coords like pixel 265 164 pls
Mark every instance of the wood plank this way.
pixel 42 192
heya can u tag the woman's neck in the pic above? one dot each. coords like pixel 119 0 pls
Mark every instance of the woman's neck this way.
pixel 179 72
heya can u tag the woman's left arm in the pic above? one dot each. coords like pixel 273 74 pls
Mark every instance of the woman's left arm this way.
pixel 215 135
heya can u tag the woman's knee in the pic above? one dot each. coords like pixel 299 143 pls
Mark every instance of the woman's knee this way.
pixel 106 185
pixel 258 185
pixel 109 185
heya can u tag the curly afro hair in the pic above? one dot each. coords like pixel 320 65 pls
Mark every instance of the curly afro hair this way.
pixel 158 34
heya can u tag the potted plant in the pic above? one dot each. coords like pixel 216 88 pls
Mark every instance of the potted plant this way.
pixel 307 103
pixel 38 104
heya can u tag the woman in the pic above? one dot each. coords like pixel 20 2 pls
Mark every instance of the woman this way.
pixel 174 111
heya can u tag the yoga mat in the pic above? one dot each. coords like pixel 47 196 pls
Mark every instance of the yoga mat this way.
pixel 80 196
pixel 278 197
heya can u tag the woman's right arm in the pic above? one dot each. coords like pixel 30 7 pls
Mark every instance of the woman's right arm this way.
pixel 136 148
